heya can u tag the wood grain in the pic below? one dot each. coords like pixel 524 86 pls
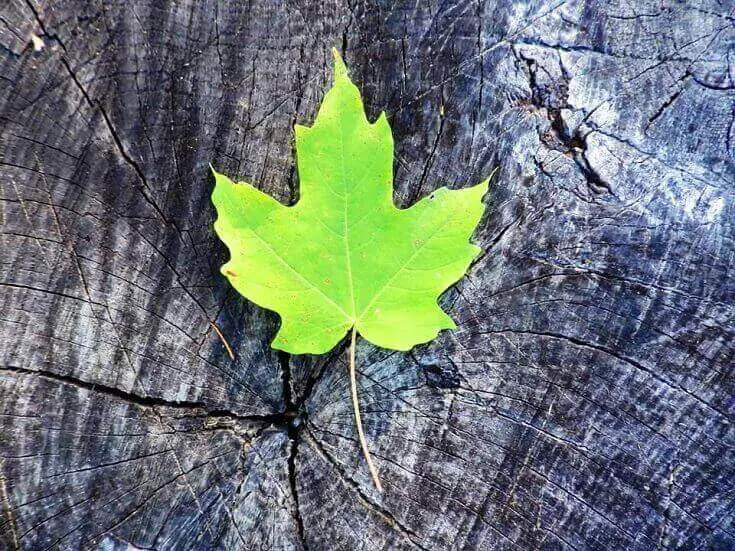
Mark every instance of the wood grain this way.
pixel 586 400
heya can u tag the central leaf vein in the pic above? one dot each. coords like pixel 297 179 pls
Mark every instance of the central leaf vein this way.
pixel 348 257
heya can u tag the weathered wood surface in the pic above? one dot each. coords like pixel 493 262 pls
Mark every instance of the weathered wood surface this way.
pixel 586 400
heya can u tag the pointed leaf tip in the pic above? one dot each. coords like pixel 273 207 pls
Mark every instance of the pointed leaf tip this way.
pixel 340 69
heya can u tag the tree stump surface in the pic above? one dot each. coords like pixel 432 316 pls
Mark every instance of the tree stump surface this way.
pixel 585 400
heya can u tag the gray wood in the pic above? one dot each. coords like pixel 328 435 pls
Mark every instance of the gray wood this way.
pixel 586 400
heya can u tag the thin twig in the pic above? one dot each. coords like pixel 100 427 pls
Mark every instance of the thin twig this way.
pixel 223 339
pixel 358 421
pixel 6 505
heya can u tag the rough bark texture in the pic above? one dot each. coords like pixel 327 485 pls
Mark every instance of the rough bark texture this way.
pixel 586 400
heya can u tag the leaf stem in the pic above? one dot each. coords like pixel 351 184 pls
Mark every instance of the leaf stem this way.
pixel 356 407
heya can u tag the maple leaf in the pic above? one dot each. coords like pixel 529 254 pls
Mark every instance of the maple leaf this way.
pixel 344 256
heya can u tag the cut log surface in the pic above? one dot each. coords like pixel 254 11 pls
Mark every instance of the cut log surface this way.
pixel 586 400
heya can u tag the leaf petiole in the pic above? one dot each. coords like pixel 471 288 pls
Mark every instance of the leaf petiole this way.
pixel 356 407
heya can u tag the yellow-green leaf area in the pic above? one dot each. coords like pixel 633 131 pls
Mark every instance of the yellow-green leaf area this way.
pixel 344 255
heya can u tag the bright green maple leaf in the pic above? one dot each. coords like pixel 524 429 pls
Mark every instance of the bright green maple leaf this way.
pixel 344 256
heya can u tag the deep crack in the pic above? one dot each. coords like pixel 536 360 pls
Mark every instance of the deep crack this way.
pixel 292 422
pixel 200 408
